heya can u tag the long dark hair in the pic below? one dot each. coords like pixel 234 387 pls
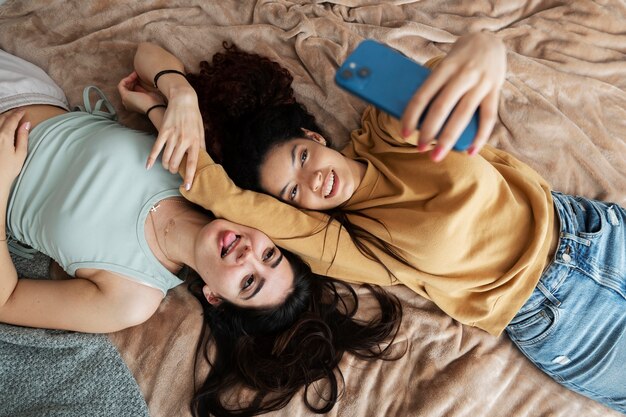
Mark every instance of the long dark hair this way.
pixel 248 107
pixel 270 354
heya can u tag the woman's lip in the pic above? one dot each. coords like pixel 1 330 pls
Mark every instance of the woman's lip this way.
pixel 335 187
pixel 226 239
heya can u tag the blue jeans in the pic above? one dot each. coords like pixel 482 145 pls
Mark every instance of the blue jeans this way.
pixel 573 327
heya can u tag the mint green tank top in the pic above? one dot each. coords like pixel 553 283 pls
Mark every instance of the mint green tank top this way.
pixel 84 194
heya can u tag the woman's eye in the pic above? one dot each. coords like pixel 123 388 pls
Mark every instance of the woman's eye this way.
pixel 249 281
pixel 293 193
pixel 269 254
pixel 304 156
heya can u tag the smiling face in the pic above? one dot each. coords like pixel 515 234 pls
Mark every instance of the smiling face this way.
pixel 307 174
pixel 241 265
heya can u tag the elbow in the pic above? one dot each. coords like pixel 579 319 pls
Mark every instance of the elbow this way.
pixel 7 289
pixel 145 47
pixel 143 53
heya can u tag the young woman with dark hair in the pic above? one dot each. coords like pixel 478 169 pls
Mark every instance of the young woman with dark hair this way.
pixel 275 354
pixel 72 185
pixel 482 235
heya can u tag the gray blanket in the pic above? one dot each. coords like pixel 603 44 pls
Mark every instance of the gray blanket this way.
pixel 63 374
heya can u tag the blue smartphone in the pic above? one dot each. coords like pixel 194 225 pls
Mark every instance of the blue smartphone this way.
pixel 387 79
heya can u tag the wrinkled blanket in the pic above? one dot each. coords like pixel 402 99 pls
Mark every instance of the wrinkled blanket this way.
pixel 562 110
pixel 56 373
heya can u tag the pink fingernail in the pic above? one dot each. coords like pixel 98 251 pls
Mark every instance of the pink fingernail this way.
pixel 187 186
pixel 27 125
pixel 406 132
pixel 437 154
pixel 148 164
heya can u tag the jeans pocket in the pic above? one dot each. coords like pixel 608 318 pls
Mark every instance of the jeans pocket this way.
pixel 589 216
pixel 534 328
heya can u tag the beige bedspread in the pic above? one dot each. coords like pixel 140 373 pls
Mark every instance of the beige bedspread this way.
pixel 563 111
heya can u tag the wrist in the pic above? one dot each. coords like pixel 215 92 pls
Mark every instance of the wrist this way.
pixel 166 73
pixel 179 90
pixel 154 108
pixel 156 117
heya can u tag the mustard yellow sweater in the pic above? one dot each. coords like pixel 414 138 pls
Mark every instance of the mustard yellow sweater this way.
pixel 477 230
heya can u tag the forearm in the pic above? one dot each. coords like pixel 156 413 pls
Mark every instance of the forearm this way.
pixel 150 59
pixel 156 117
pixel 215 191
pixel 327 248
pixel 8 273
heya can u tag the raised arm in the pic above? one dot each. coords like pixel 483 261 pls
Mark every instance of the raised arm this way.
pixel 328 250
pixel 182 131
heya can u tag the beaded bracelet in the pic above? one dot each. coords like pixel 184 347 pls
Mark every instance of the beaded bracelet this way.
pixel 167 71
pixel 154 107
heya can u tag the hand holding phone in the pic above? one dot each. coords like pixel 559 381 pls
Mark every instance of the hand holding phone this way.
pixel 387 79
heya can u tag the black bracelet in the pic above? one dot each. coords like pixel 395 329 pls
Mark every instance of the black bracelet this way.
pixel 154 107
pixel 167 71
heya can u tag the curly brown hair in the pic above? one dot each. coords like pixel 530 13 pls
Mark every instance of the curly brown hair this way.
pixel 249 107
pixel 237 91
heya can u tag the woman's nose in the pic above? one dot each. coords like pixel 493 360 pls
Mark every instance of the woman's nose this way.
pixel 316 181
pixel 244 253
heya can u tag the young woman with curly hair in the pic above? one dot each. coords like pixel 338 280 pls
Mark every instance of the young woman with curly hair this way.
pixel 482 235
pixel 72 185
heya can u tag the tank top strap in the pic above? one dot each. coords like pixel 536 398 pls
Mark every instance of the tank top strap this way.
pixel 97 110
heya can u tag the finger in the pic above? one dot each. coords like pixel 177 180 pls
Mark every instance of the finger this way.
pixel 443 105
pixel 190 169
pixel 11 119
pixel 131 78
pixel 168 150
pixel 21 140
pixel 488 117
pixel 126 80
pixel 422 98
pixel 123 87
pixel 461 116
pixel 201 135
pixel 177 157
pixel 156 150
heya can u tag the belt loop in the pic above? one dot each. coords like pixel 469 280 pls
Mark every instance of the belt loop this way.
pixel 548 294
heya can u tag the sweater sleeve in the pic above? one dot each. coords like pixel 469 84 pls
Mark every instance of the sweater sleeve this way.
pixel 327 247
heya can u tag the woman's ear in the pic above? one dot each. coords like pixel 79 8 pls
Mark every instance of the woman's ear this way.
pixel 309 134
pixel 211 297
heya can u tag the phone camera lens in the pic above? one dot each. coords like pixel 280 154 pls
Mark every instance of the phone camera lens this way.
pixel 346 74
pixel 363 72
